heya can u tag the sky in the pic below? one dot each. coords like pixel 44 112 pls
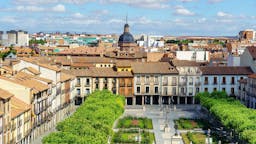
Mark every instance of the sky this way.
pixel 153 17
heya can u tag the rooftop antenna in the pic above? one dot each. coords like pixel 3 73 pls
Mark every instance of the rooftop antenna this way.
pixel 126 18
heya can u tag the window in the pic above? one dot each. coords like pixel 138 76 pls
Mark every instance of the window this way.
pixel 97 86
pixel 165 91
pixel 206 80
pixel 197 90
pixel 232 91
pixel 206 89
pixel 190 91
pixel 190 81
pixel 183 90
pixel 223 80
pixel 147 80
pixel 214 89
pixel 138 79
pixel 215 80
pixel 232 80
pixel 147 89
pixel 87 91
pixel 105 86
pixel 78 91
pixel 138 89
pixel 174 91
pixel 174 80
pixel 156 90
pixel 87 81
pixel 156 79
pixel 78 81
pixel 165 82
pixel 224 89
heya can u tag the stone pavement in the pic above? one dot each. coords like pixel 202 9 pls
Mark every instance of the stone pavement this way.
pixel 159 116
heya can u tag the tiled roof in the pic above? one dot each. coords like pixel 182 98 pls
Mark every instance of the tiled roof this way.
pixel 186 63
pixel 123 63
pixel 65 76
pixel 18 107
pixel 34 61
pixel 154 57
pixel 32 70
pixel 97 72
pixel 252 76
pixel 215 70
pixel 5 94
pixel 153 68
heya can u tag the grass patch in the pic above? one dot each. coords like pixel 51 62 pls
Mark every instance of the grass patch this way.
pixel 188 124
pixel 131 136
pixel 135 122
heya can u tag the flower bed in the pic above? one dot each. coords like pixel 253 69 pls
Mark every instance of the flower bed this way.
pixel 134 122
pixel 188 124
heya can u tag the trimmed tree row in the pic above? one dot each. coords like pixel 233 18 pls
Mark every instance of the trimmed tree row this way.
pixel 91 123
pixel 231 113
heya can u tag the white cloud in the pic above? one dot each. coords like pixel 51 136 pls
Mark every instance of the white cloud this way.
pixel 223 14
pixel 40 2
pixel 155 4
pixel 29 8
pixel 8 19
pixel 180 10
pixel 187 0
pixel 59 8
pixel 214 1
pixel 201 20
pixel 78 15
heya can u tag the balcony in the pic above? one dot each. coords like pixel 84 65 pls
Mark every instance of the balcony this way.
pixel 13 126
pixel 197 83
pixel 190 94
pixel 122 84
pixel 19 136
pixel 182 94
pixel 223 83
pixel 165 93
pixel 78 84
pixel 165 83
pixel 182 83
pixel 215 83
pixel 129 84
pixel 138 82
pixel 174 83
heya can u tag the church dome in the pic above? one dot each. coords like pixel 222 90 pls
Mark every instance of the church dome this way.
pixel 126 37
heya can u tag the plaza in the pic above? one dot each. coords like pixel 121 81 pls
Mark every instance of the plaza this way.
pixel 159 116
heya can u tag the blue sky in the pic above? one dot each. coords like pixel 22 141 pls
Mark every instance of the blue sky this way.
pixel 158 17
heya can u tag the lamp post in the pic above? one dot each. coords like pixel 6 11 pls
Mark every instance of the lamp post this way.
pixel 209 134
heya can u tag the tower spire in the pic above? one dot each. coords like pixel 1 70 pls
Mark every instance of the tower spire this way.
pixel 126 18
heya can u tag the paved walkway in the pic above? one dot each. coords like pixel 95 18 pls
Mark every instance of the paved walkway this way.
pixel 159 116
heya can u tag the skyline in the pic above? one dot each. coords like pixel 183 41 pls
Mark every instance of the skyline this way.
pixel 157 17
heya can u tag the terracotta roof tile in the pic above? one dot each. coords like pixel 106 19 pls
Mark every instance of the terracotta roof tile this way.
pixel 215 70
pixel 186 63
pixel 252 76
pixel 153 68
pixel 65 77
pixel 18 107
pixel 32 70
pixel 5 94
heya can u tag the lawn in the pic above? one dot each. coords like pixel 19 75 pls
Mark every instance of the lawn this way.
pixel 184 123
pixel 135 122
pixel 196 138
pixel 131 136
